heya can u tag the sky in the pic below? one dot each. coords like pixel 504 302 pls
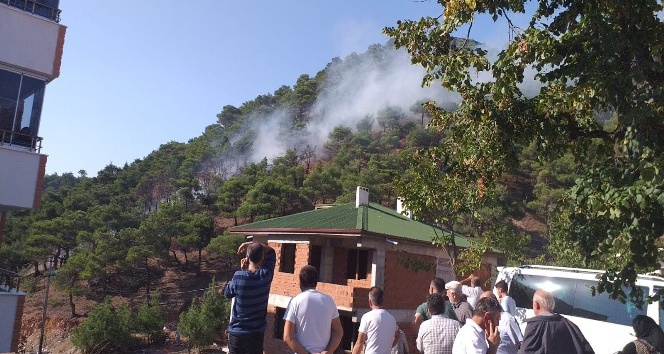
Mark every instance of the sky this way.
pixel 138 74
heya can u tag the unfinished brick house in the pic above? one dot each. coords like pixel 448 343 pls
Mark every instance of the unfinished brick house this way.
pixel 354 246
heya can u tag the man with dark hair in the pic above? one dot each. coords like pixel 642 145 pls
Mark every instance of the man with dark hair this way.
pixel 436 286
pixel 250 287
pixel 311 321
pixel 480 333
pixel 436 336
pixel 473 290
pixel 549 332
pixel 506 301
pixel 510 332
pixel 378 331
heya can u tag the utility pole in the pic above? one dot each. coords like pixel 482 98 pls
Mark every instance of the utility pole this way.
pixel 43 325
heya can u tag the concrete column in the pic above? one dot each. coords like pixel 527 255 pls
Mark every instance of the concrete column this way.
pixel 378 268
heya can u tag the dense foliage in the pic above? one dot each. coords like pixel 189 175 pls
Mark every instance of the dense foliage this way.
pixel 590 59
pixel 111 328
pixel 204 319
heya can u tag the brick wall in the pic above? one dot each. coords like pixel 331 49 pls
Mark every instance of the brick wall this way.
pixel 405 288
pixel 340 262
pixel 39 187
pixel 20 302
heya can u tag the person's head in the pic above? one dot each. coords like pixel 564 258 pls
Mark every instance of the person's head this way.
pixel 644 326
pixel 436 304
pixel 501 287
pixel 488 294
pixel 543 302
pixel 475 282
pixel 308 277
pixel 255 252
pixel 454 291
pixel 437 285
pixel 487 309
pixel 376 296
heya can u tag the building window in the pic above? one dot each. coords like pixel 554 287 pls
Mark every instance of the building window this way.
pixel 357 264
pixel 21 100
pixel 287 259
pixel 279 323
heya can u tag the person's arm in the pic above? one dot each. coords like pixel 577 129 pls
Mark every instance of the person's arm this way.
pixel 397 336
pixel 417 321
pixel 492 337
pixel 243 247
pixel 419 342
pixel 358 348
pixel 290 340
pixel 335 336
pixel 228 291
pixel 466 281
pixel 269 258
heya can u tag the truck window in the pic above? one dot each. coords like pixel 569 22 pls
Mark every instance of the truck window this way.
pixel 573 297
pixel 523 286
pixel 601 307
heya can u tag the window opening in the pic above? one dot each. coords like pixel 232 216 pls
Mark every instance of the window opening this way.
pixel 357 264
pixel 279 323
pixel 287 259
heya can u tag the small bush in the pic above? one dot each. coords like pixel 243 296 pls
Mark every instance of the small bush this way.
pixel 106 329
pixel 201 322
pixel 150 320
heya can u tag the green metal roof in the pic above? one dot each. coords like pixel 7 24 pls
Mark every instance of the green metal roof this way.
pixel 346 218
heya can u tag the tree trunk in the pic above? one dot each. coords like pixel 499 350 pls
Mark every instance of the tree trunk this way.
pixel 147 278
pixel 72 305
pixel 198 270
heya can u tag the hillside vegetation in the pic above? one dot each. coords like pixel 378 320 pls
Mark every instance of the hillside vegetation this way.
pixel 354 123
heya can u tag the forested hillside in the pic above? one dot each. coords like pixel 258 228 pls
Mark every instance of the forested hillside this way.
pixel 352 124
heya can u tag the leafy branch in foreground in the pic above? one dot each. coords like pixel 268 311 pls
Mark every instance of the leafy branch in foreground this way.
pixel 587 59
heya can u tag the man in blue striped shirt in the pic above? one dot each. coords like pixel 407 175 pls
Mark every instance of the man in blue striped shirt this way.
pixel 250 287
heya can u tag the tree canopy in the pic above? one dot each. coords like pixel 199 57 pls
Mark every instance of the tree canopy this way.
pixel 589 58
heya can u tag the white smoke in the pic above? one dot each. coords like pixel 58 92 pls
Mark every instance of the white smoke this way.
pixel 357 87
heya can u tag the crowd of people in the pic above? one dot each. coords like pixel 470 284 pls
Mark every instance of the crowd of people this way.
pixel 458 317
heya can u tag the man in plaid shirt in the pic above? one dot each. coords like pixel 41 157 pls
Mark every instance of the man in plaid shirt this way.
pixel 436 336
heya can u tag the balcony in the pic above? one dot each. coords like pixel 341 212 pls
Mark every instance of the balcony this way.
pixel 20 140
pixel 43 8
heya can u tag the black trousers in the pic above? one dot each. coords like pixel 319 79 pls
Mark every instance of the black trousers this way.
pixel 245 344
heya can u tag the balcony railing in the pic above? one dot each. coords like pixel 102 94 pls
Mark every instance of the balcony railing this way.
pixel 36 7
pixel 23 140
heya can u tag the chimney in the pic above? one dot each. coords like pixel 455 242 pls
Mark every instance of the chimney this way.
pixel 361 196
pixel 402 210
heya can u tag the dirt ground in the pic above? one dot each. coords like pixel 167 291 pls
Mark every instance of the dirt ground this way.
pixel 178 289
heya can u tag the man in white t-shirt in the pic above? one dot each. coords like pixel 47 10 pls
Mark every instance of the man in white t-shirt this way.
pixel 473 291
pixel 506 301
pixel 378 331
pixel 311 321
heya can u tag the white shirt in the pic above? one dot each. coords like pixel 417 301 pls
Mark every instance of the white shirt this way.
pixel 508 305
pixel 380 327
pixel 312 313
pixel 510 334
pixel 470 339
pixel 472 294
